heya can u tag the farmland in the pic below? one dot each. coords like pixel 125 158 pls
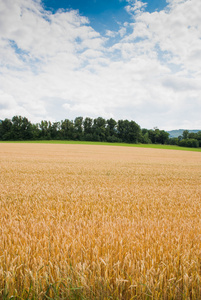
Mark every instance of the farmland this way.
pixel 99 222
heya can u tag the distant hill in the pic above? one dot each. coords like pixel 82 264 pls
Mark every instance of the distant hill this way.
pixel 178 132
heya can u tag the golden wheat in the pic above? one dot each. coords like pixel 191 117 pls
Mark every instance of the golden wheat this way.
pixel 99 222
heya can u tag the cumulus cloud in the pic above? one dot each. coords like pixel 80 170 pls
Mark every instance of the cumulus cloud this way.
pixel 56 66
pixel 135 6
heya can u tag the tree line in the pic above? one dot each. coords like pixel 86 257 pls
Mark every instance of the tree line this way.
pixel 87 129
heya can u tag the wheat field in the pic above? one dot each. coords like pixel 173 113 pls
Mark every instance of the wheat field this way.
pixel 99 222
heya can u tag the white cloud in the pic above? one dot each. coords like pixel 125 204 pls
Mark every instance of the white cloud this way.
pixel 110 33
pixel 56 66
pixel 176 30
pixel 135 6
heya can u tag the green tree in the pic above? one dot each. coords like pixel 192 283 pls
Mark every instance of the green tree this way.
pixel 35 131
pixel 111 127
pixel 55 130
pixel 185 134
pixel 67 129
pixel 45 129
pixel 189 143
pixel 174 141
pixel 199 137
pixel 158 136
pixel 164 137
pixel 128 131
pixel 133 135
pixel 99 129
pixel 123 129
pixel 17 128
pixel 145 138
pixel 21 128
pixel 6 130
pixel 88 130
pixel 192 135
pixel 78 128
pixel 152 136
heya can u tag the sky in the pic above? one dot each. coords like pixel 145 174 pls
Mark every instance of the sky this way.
pixel 121 59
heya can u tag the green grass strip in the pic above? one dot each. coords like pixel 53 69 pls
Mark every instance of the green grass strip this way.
pixel 153 146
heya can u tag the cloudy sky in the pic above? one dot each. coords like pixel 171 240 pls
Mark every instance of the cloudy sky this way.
pixel 125 59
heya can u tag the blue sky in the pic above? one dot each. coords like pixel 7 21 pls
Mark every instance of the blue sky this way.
pixel 121 59
pixel 103 14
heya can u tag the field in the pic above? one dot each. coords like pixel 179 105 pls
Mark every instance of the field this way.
pixel 99 222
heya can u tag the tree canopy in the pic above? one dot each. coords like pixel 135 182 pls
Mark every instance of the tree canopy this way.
pixel 88 129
